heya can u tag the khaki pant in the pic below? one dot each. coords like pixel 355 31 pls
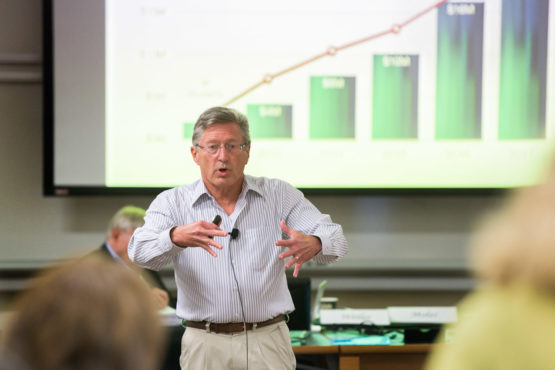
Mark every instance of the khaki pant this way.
pixel 269 349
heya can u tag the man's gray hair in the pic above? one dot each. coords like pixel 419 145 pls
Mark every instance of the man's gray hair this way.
pixel 127 218
pixel 221 115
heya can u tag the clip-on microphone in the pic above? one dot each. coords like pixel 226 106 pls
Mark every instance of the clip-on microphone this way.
pixel 234 234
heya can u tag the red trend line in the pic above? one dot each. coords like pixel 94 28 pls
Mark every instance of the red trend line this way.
pixel 333 50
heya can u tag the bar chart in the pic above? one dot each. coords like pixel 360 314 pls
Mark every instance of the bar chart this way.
pixel 408 88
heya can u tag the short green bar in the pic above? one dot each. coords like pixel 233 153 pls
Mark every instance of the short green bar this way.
pixel 270 121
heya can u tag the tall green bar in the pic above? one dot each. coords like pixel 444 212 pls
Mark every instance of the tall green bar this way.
pixel 270 121
pixel 332 107
pixel 459 71
pixel 395 97
pixel 523 76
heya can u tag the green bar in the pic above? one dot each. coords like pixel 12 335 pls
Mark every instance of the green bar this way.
pixel 523 76
pixel 459 71
pixel 270 121
pixel 332 107
pixel 188 128
pixel 395 97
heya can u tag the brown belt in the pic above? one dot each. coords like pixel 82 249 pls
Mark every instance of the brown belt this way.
pixel 233 327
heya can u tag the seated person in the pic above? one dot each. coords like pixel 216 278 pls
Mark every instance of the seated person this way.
pixel 508 322
pixel 89 314
pixel 120 229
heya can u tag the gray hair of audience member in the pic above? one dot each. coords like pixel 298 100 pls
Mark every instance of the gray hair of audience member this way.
pixel 127 218
pixel 85 315
pixel 517 242
pixel 221 115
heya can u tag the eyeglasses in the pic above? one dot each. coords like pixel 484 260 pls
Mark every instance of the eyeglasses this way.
pixel 230 148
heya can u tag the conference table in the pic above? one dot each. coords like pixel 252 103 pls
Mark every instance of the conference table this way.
pixel 396 357
pixel 361 357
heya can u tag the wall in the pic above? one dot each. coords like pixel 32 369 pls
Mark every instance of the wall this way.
pixel 389 235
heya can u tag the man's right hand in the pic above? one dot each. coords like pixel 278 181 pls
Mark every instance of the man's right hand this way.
pixel 197 234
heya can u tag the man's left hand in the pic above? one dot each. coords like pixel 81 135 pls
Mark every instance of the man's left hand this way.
pixel 160 297
pixel 300 246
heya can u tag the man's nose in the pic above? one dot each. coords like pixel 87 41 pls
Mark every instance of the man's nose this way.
pixel 222 153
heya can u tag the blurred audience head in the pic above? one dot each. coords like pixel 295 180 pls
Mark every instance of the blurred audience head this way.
pixel 517 242
pixel 85 315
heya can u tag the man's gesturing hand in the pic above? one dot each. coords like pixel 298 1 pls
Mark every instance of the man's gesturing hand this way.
pixel 301 247
pixel 161 297
pixel 197 234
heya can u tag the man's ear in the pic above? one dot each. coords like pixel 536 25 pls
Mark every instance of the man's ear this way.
pixel 248 153
pixel 116 232
pixel 194 153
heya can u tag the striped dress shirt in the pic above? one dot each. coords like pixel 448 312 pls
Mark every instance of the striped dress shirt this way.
pixel 206 286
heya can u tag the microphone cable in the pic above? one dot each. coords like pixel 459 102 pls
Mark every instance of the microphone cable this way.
pixel 241 303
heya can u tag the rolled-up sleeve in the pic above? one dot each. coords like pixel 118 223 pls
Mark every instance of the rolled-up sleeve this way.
pixel 151 246
pixel 300 214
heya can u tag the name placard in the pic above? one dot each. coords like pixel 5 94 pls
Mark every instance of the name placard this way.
pixel 422 315
pixel 353 316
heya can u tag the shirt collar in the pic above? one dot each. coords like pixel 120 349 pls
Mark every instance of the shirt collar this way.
pixel 114 255
pixel 252 185
pixel 200 191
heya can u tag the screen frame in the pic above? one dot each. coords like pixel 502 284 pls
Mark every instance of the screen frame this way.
pixel 52 189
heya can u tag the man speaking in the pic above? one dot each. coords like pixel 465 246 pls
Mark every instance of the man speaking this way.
pixel 230 273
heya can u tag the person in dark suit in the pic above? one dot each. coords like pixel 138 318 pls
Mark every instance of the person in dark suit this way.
pixel 120 229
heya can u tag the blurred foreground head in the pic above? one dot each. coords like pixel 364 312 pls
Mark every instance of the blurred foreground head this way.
pixel 90 314
pixel 516 244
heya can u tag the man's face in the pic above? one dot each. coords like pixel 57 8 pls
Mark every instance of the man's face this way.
pixel 222 169
pixel 119 242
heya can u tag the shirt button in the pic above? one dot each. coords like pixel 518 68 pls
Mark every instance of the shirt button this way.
pixel 234 289
pixel 233 261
